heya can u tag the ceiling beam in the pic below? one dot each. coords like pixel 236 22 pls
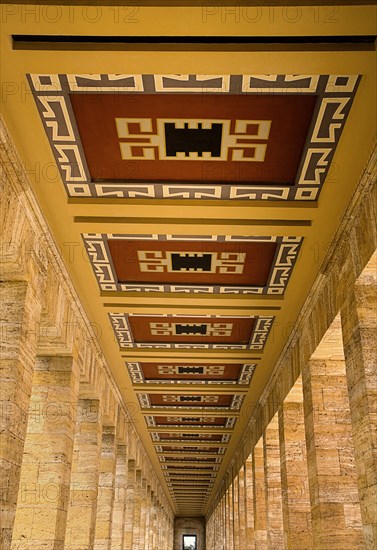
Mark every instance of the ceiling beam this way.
pixel 174 454
pixel 182 411
pixel 183 443
pixel 196 430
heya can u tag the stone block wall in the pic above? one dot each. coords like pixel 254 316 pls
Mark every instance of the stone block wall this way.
pixel 189 526
pixel 74 473
pixel 310 476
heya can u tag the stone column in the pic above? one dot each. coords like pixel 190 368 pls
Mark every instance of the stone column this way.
pixel 143 515
pixel 158 524
pixel 242 504
pixel 359 323
pixel 130 494
pixel 223 503
pixel 260 522
pixel 209 534
pixel 236 515
pixel 226 519
pixel 210 542
pixel 249 493
pixel 336 518
pixel 294 472
pixel 274 511
pixel 137 512
pixel 221 520
pixel 230 540
pixel 215 528
pixel 147 519
pixel 162 528
pixel 43 496
pixel 20 310
pixel 119 508
pixel 82 508
pixel 152 522
pixel 106 486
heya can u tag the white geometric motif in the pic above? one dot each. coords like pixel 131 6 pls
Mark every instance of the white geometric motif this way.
pixel 209 329
pixel 153 146
pixel 219 262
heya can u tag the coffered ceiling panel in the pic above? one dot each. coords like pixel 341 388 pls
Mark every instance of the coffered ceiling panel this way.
pixel 201 332
pixel 269 137
pixel 205 264
pixel 163 373
pixel 212 421
pixel 186 402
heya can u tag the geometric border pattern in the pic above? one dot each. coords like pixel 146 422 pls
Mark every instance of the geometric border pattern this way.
pixel 96 245
pixel 217 460
pixel 335 95
pixel 151 423
pixel 145 403
pixel 125 339
pixel 180 439
pixel 190 450
pixel 137 377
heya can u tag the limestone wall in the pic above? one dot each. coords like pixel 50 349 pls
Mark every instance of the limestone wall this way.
pixel 74 472
pixel 305 473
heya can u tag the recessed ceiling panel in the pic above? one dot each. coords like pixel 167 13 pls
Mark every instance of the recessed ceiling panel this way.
pixel 183 373
pixel 192 460
pixel 191 421
pixel 264 137
pixel 207 264
pixel 191 401
pixel 205 332
pixel 192 450
pixel 190 436
pixel 174 436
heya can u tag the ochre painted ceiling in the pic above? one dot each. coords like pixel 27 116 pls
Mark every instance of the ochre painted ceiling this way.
pixel 193 195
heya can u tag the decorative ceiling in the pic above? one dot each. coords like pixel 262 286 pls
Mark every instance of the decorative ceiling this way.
pixel 192 209
pixel 269 137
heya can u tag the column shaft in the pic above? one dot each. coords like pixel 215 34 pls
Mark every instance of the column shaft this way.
pixel 236 515
pixel 82 508
pixel 136 513
pixel 242 504
pixel 143 515
pixel 148 519
pixel 294 472
pixel 336 519
pixel 359 323
pixel 119 509
pixel 259 493
pixel 274 511
pixel 43 496
pixel 20 311
pixel 106 485
pixel 249 493
pixel 130 495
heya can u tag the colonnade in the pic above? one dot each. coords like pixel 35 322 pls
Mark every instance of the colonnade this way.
pixel 305 474
pixel 74 472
